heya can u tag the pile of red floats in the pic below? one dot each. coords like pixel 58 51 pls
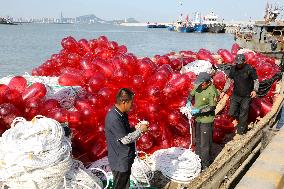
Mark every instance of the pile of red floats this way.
pixel 102 67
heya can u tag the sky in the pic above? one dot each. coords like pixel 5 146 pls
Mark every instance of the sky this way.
pixel 141 10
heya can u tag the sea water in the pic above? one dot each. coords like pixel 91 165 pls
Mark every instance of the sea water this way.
pixel 23 47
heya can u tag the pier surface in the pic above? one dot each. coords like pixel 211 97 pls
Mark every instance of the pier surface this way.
pixel 267 172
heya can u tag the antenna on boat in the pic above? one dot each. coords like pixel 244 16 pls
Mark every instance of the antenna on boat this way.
pixel 180 3
pixel 273 11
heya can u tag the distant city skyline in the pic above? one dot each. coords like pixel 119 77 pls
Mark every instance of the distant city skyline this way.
pixel 143 11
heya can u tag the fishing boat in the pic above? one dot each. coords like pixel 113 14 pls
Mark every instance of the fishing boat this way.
pixel 265 36
pixel 214 26
pixel 171 27
pixel 184 27
pixel 199 26
pixel 6 21
pixel 156 25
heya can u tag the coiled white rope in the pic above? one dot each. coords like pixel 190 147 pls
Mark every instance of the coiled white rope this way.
pixel 178 164
pixel 78 177
pixel 102 164
pixel 141 170
pixel 36 154
pixel 197 67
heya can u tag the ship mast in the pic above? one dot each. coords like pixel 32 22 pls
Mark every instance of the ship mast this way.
pixel 180 12
pixel 266 16
pixel 271 12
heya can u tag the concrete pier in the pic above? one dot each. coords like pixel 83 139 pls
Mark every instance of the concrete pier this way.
pixel 267 172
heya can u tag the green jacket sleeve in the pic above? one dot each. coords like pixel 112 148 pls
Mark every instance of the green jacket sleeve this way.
pixel 192 93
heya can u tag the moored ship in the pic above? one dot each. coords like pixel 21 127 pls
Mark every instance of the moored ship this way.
pixel 265 36
pixel 199 26
pixel 6 21
pixel 156 25
pixel 214 26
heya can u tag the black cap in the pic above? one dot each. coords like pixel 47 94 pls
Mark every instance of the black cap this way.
pixel 202 77
pixel 240 59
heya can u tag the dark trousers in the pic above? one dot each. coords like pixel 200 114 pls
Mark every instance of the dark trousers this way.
pixel 204 140
pixel 239 109
pixel 121 180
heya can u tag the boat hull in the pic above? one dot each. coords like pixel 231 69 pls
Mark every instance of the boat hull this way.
pixel 200 28
pixel 216 28
pixel 2 21
pixel 171 28
pixel 264 48
pixel 189 29
pixel 156 26
pixel 151 26
pixel 183 29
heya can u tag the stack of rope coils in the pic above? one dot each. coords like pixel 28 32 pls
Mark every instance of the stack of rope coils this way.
pixel 36 154
pixel 178 164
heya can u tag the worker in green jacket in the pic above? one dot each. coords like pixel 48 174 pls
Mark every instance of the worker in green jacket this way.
pixel 205 95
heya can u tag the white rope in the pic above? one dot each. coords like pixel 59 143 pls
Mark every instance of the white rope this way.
pixel 141 170
pixel 197 67
pixel 101 164
pixel 178 164
pixel 51 81
pixel 187 112
pixel 36 154
pixel 243 51
pixel 105 174
pixel 78 177
pixel 6 80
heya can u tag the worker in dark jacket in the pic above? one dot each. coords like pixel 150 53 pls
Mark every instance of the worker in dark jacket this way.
pixel 205 95
pixel 120 138
pixel 245 87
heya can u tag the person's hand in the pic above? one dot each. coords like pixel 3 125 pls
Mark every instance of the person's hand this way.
pixel 222 95
pixel 144 127
pixel 253 94
pixel 188 104
pixel 235 122
pixel 195 111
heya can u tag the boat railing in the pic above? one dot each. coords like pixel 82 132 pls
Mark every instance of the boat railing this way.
pixel 238 153
pixel 278 32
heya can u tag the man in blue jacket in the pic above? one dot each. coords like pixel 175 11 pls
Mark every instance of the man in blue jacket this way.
pixel 120 138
